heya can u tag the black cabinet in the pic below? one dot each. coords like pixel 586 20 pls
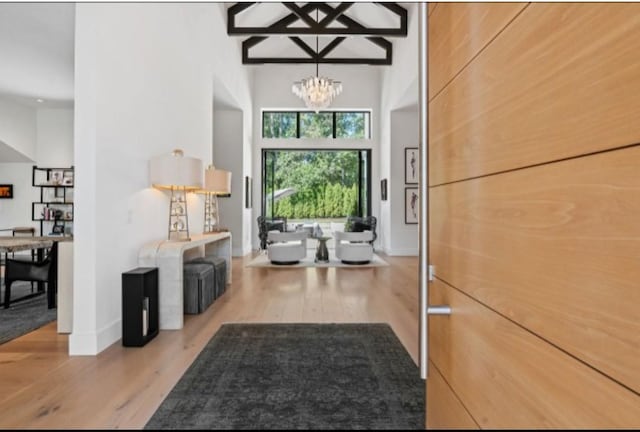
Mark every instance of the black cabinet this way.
pixel 139 306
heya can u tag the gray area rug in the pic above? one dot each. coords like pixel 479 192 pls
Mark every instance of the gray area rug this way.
pixel 297 376
pixel 24 316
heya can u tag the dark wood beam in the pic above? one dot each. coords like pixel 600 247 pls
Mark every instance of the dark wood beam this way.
pixel 282 27
pixel 302 15
pixel 305 60
pixel 400 11
pixel 249 43
pixel 352 27
pixel 339 10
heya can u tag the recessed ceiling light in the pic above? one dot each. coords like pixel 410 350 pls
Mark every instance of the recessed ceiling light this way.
pixel 40 100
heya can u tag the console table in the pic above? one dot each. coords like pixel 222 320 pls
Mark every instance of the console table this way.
pixel 169 257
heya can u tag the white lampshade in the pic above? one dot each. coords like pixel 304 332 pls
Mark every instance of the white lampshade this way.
pixel 175 170
pixel 217 181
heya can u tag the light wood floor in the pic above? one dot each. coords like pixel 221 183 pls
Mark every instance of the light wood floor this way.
pixel 42 387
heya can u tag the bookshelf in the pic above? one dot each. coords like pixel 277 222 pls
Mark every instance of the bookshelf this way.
pixel 55 209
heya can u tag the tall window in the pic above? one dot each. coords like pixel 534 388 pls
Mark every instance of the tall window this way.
pixel 308 124
pixel 302 184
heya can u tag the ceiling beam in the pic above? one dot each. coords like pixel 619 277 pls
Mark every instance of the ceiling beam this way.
pixel 339 10
pixel 315 28
pixel 282 26
pixel 303 60
pixel 279 25
pixel 302 15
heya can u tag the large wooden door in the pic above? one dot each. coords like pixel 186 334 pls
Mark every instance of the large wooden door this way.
pixel 534 215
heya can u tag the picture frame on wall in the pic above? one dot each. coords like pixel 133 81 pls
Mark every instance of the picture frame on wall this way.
pixel 411 165
pixel 6 191
pixel 248 187
pixel 383 189
pixel 411 205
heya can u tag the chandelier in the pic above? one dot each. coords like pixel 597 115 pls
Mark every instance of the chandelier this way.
pixel 316 91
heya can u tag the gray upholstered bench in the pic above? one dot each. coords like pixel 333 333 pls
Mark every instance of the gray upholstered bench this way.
pixel 220 272
pixel 199 287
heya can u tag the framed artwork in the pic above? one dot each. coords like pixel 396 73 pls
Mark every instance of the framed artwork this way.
pixel 411 165
pixel 383 189
pixel 6 191
pixel 248 187
pixel 411 205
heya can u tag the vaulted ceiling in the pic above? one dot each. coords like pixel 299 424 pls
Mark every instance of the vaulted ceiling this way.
pixel 37 51
pixel 318 32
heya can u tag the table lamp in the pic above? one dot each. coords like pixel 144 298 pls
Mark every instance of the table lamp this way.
pixel 216 182
pixel 180 175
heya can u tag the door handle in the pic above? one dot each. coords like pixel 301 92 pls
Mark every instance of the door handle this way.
pixel 439 310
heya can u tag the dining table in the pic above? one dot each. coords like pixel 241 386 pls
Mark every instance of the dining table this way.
pixel 16 244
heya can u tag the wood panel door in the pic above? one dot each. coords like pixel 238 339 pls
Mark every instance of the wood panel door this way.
pixel 534 216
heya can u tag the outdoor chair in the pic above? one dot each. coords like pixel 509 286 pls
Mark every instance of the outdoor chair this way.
pixel 265 225
pixel 362 223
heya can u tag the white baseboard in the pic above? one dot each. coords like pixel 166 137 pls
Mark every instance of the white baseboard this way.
pixel 90 344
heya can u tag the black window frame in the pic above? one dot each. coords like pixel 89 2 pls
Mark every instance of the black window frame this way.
pixel 334 122
pixel 364 208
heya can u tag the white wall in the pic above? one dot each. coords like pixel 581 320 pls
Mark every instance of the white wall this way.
pixel 398 91
pixel 17 211
pixel 54 136
pixel 18 130
pixel 272 90
pixel 228 154
pixel 144 86
pixel 402 238
pixel 53 132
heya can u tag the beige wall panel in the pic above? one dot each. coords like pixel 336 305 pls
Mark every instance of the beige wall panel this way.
pixel 561 80
pixel 458 31
pixel 509 378
pixel 444 410
pixel 555 248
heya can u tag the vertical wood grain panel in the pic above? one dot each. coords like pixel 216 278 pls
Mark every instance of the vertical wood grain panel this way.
pixel 458 31
pixel 444 410
pixel 430 7
pixel 561 80
pixel 509 378
pixel 556 248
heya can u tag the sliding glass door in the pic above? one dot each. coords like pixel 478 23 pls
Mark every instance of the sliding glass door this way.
pixel 316 184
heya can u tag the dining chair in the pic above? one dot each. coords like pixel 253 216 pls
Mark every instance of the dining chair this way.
pixel 33 271
pixel 20 232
